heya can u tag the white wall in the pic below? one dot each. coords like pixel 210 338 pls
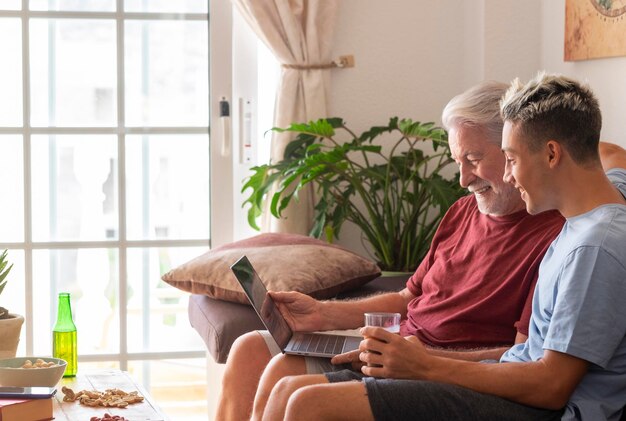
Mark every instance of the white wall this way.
pixel 606 76
pixel 404 50
pixel 412 56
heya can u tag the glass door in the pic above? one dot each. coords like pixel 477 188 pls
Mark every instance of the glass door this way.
pixel 105 161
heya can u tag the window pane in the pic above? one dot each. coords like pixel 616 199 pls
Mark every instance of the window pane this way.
pixel 12 174
pixel 178 6
pixel 11 72
pixel 91 277
pixel 166 73
pixel 10 4
pixel 74 5
pixel 74 190
pixel 167 186
pixel 73 77
pixel 157 312
pixel 268 78
pixel 13 297
pixel 99 365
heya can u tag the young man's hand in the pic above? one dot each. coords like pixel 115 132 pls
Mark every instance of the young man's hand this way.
pixel 389 355
pixel 350 357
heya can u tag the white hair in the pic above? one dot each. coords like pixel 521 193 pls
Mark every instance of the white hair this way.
pixel 479 106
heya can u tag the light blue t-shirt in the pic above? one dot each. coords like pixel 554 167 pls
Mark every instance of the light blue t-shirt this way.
pixel 579 307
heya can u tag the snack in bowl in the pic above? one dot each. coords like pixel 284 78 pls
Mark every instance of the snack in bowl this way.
pixel 39 363
pixel 42 371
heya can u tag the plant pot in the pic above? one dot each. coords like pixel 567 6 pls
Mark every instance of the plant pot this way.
pixel 10 330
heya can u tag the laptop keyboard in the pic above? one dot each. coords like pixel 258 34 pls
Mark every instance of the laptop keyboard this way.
pixel 320 343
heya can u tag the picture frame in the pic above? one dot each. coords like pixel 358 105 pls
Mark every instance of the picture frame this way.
pixel 594 29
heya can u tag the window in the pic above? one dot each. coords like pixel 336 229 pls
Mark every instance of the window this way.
pixel 104 162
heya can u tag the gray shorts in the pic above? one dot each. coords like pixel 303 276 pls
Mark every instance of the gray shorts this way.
pixel 314 365
pixel 397 400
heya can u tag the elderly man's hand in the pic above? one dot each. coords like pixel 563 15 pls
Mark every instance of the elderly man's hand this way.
pixel 301 311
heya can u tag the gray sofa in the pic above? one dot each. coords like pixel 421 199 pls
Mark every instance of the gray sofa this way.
pixel 219 322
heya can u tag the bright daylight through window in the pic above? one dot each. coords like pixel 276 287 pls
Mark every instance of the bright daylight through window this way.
pixel 104 126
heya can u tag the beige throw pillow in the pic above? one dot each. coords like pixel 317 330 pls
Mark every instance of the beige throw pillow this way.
pixel 284 262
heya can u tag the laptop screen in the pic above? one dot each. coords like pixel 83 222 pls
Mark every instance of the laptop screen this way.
pixel 263 304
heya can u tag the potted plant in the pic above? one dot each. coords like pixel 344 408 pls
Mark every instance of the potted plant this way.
pixel 381 180
pixel 10 324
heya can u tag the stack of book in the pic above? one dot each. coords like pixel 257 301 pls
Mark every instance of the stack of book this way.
pixel 26 409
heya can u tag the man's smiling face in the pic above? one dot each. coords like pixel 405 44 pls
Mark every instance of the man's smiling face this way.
pixel 525 171
pixel 481 165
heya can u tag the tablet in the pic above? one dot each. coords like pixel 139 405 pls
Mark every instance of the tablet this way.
pixel 14 392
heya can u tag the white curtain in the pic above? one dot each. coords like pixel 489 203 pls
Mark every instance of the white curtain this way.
pixel 299 33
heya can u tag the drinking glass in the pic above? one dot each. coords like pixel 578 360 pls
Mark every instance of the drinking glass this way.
pixel 388 321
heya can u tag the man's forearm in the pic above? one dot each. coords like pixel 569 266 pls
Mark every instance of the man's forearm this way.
pixel 470 354
pixel 542 383
pixel 348 314
pixel 493 353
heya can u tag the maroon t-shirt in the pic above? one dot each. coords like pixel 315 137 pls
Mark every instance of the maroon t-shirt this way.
pixel 474 287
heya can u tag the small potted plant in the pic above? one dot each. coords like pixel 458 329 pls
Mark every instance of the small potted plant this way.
pixel 382 180
pixel 10 324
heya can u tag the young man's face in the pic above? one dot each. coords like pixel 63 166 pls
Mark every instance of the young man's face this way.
pixel 525 170
pixel 481 165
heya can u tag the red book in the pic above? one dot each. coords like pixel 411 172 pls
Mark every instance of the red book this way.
pixel 26 409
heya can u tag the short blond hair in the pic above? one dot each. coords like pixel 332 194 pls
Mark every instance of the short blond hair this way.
pixel 559 108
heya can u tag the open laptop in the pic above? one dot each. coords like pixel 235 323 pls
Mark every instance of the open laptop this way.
pixel 290 342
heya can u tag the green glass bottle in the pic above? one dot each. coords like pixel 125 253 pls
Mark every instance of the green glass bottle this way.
pixel 64 344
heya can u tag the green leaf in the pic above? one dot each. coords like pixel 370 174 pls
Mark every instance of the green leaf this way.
pixel 321 128
pixel 380 180
pixel 443 192
pixel 320 219
pixel 376 131
pixel 298 146
pixel 260 183
pixel 330 234
pixel 4 271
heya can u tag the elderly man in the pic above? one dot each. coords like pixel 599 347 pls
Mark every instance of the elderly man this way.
pixel 469 298
pixel 571 366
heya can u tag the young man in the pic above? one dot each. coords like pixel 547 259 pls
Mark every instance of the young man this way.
pixel 471 293
pixel 573 364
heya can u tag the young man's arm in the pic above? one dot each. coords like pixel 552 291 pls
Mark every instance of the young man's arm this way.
pixel 476 354
pixel 612 156
pixel 352 357
pixel 547 383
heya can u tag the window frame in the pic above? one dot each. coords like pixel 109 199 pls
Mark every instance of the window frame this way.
pixel 221 217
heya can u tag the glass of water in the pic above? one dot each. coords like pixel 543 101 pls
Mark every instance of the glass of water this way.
pixel 389 321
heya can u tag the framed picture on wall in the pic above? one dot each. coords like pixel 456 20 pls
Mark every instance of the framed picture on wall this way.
pixel 594 29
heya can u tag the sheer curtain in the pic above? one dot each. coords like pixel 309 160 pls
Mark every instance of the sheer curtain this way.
pixel 299 34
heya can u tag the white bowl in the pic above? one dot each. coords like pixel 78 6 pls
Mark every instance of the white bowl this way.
pixel 12 373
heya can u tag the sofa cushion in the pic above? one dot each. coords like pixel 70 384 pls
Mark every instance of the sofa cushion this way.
pixel 284 262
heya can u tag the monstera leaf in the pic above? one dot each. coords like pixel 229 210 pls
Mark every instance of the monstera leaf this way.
pixel 383 180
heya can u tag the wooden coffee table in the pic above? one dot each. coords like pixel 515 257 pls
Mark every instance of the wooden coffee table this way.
pixel 101 380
